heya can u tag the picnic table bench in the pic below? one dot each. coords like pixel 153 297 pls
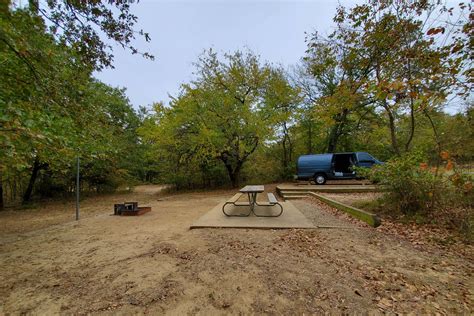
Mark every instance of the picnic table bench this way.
pixel 252 191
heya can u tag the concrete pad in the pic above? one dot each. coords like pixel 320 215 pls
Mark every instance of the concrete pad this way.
pixel 291 218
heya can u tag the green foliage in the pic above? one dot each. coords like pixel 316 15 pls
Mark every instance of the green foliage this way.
pixel 230 110
pixel 378 83
pixel 266 166
pixel 415 187
pixel 440 194
pixel 380 64
pixel 208 121
pixel 51 111
pixel 81 26
pixel 411 188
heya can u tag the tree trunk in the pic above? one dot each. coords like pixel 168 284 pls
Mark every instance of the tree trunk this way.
pixel 286 153
pixel 1 193
pixel 435 131
pixel 31 183
pixel 233 175
pixel 337 131
pixel 333 138
pixel 310 137
pixel 412 111
pixel 235 178
pixel 232 172
pixel 285 158
pixel 393 133
pixel 412 125
pixel 290 149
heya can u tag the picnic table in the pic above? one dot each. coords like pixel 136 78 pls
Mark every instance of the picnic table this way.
pixel 252 191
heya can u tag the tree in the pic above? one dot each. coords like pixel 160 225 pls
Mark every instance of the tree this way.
pixel 48 109
pixel 79 25
pixel 219 116
pixel 336 82
pixel 35 113
pixel 283 101
pixel 378 59
pixel 227 97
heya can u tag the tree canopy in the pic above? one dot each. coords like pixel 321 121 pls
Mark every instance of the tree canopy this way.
pixel 51 108
pixel 225 114
pixel 380 83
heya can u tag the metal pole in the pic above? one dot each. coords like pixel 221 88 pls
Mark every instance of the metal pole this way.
pixel 77 191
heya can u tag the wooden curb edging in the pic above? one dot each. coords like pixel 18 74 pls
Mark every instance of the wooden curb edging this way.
pixel 371 219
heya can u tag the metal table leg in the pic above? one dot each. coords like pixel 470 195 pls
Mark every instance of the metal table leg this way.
pixel 252 200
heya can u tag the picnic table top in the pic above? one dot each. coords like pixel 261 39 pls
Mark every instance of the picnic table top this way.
pixel 252 189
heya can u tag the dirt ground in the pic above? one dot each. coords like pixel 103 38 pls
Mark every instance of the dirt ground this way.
pixel 154 264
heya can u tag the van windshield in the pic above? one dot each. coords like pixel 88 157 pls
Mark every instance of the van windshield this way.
pixel 365 157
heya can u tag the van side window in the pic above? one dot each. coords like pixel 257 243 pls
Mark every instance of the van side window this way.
pixel 365 157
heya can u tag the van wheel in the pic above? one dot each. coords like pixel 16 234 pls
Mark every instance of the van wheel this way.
pixel 320 179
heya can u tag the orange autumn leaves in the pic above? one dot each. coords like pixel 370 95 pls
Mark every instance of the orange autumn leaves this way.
pixel 449 165
pixel 423 166
pixel 456 178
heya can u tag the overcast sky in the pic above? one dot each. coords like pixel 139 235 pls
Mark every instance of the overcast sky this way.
pixel 181 30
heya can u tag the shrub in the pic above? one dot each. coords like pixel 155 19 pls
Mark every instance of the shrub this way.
pixel 440 194
pixel 411 186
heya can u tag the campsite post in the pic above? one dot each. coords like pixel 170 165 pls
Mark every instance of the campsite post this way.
pixel 77 190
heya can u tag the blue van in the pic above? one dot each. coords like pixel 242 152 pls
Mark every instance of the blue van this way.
pixel 322 167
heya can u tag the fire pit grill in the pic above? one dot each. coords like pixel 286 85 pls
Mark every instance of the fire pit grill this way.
pixel 130 209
